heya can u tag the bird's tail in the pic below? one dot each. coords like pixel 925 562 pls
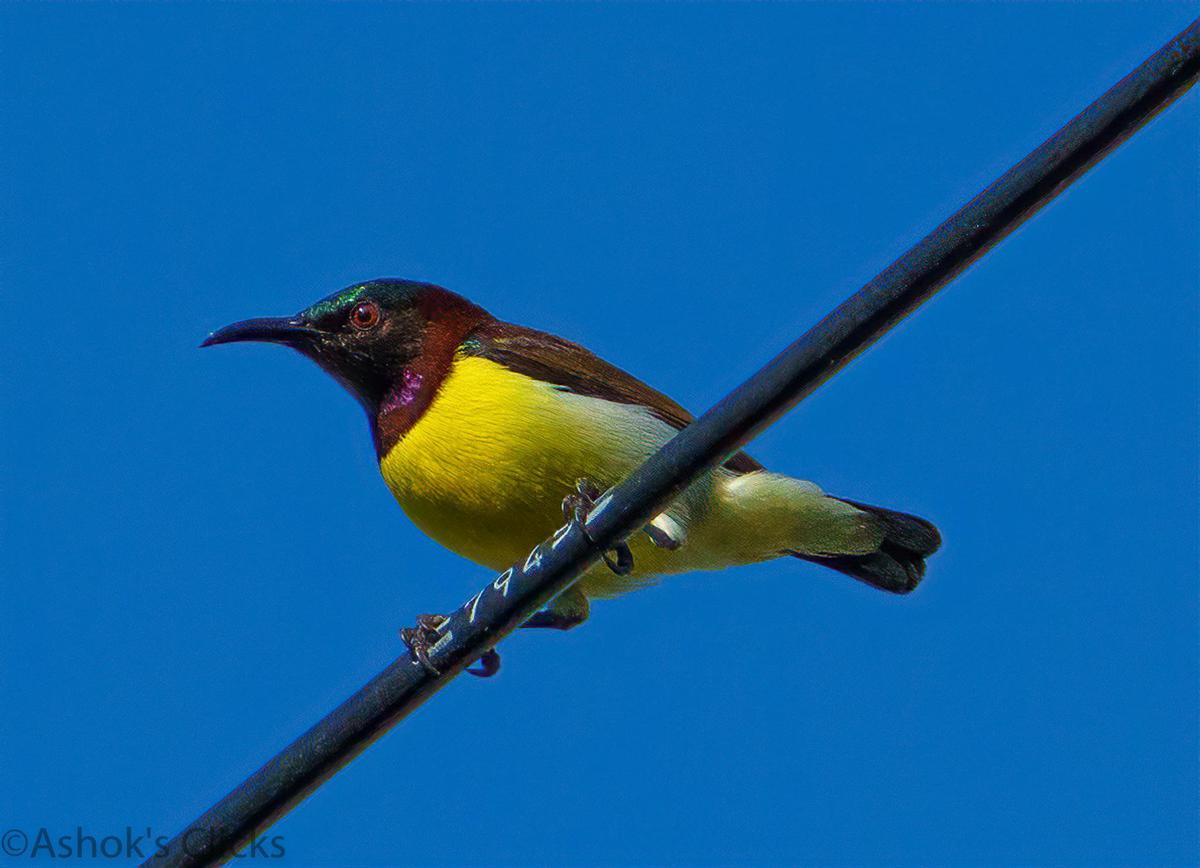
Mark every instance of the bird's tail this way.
pixel 898 564
pixel 768 514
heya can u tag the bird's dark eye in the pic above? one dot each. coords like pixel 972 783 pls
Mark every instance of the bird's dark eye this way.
pixel 365 315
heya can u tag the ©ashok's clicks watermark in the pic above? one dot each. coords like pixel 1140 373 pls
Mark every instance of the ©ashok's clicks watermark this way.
pixel 129 843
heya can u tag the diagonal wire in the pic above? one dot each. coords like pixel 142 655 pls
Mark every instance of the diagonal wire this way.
pixel 553 566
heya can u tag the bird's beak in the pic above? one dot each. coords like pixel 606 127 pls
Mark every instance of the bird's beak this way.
pixel 290 331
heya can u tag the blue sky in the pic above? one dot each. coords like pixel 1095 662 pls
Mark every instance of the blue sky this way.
pixel 198 558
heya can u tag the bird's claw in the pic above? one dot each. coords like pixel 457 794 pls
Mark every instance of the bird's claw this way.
pixel 622 564
pixel 576 507
pixel 421 639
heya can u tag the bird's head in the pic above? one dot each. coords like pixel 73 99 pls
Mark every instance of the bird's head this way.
pixel 366 334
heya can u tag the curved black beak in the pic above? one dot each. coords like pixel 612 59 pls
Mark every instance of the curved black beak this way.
pixel 289 331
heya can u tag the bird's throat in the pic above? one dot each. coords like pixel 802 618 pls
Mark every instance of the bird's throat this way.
pixel 404 393
pixel 402 405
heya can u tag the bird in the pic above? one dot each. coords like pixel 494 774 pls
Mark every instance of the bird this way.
pixel 486 431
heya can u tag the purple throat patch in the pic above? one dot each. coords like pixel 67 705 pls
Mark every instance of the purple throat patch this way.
pixel 404 392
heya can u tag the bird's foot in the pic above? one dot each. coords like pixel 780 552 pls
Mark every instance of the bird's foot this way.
pixel 576 507
pixel 422 638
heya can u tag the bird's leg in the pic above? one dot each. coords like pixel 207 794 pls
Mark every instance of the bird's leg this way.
pixel 577 506
pixel 569 609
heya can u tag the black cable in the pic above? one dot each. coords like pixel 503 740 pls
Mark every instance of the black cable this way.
pixel 506 602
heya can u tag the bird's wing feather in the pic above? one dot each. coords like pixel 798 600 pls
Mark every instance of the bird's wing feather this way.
pixel 575 369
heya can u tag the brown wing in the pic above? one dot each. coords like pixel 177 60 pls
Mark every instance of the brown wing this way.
pixel 575 369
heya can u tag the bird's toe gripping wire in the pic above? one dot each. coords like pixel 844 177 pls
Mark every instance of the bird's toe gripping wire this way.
pixel 422 638
pixel 576 507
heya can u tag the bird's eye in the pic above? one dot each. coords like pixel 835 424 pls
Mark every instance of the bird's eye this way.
pixel 365 315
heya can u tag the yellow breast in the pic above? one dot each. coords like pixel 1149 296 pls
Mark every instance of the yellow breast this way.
pixel 484 470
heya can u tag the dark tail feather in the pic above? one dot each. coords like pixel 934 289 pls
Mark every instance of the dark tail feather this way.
pixel 899 564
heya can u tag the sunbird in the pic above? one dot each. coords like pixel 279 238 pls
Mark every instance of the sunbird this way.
pixel 481 427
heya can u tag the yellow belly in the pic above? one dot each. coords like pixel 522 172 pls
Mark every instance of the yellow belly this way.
pixel 485 469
